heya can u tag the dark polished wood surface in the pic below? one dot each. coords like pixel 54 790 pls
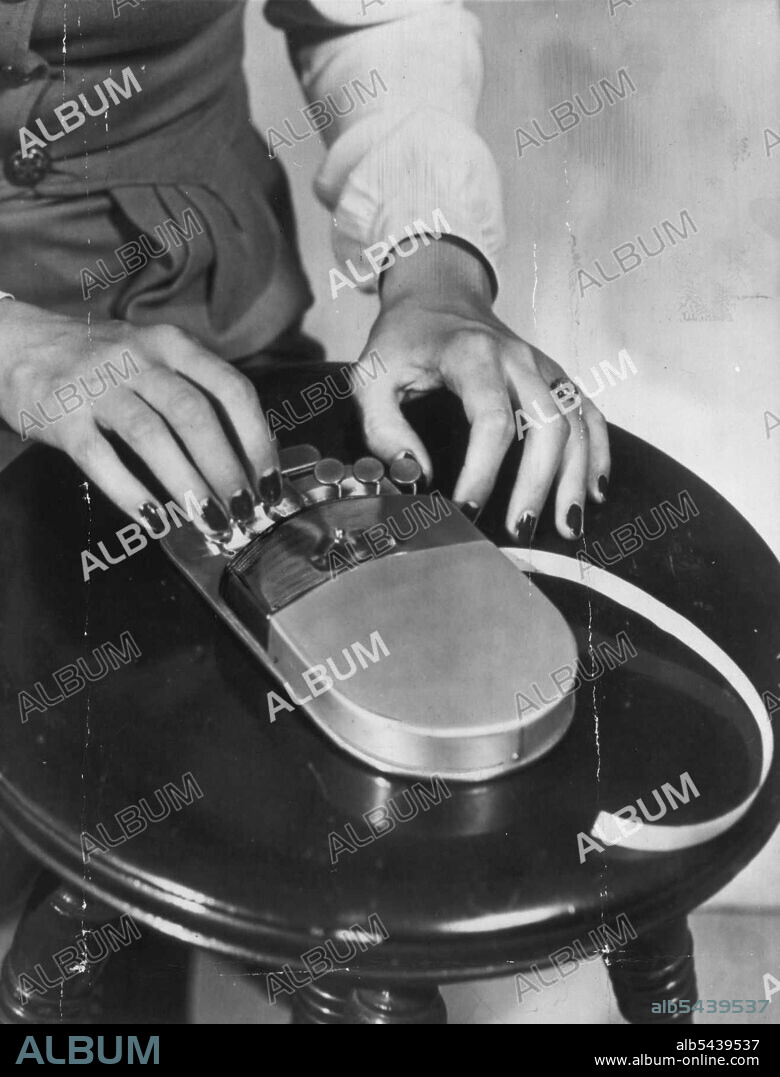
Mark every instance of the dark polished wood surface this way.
pixel 487 877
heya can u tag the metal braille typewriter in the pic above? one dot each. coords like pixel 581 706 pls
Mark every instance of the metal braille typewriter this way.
pixel 353 554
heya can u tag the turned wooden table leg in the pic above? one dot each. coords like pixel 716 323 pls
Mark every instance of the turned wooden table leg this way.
pixel 60 948
pixel 397 1005
pixel 324 1002
pixel 657 967
pixel 342 1000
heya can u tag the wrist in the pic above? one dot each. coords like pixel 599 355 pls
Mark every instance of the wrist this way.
pixel 443 269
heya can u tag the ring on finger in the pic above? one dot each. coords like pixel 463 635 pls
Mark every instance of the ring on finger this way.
pixel 566 394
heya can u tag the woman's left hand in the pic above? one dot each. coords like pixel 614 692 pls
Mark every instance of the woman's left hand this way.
pixel 436 328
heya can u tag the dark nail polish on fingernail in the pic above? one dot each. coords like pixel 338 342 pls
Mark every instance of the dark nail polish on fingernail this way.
pixel 526 529
pixel 470 510
pixel 242 506
pixel 213 516
pixel 603 485
pixel 150 514
pixel 270 487
pixel 574 520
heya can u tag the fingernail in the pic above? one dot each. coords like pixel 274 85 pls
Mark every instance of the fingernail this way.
pixel 470 510
pixel 574 520
pixel 603 485
pixel 270 487
pixel 242 506
pixel 150 513
pixel 213 516
pixel 525 528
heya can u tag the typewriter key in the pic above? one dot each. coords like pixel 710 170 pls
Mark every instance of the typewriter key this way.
pixel 330 473
pixel 369 471
pixel 406 473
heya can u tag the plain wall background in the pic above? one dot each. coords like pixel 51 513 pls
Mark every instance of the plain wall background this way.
pixel 699 321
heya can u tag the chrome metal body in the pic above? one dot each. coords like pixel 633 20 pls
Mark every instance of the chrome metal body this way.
pixel 464 631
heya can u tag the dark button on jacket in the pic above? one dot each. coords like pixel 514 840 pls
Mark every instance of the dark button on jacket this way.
pixel 27 170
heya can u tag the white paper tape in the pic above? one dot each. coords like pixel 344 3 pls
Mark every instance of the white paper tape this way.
pixel 651 837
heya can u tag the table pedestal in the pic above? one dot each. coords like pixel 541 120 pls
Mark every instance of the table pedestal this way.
pixel 656 967
pixel 339 1001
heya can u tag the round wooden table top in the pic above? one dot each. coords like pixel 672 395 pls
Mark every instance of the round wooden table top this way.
pixel 490 874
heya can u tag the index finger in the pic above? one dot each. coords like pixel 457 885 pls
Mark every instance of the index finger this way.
pixel 229 388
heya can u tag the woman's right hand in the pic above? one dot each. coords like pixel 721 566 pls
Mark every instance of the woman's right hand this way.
pixel 174 413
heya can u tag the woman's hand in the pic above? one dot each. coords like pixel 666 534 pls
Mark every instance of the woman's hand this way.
pixel 171 401
pixel 437 328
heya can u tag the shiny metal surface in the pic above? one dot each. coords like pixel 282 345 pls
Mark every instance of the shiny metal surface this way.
pixel 402 715
pixel 465 631
pixel 295 459
pixel 330 473
pixel 369 471
pixel 406 473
